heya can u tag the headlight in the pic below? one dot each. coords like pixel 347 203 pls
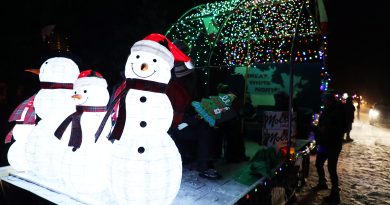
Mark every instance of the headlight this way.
pixel 373 114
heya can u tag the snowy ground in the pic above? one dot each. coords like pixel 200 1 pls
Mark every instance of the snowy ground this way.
pixel 364 169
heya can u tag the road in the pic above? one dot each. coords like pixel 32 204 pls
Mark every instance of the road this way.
pixel 364 168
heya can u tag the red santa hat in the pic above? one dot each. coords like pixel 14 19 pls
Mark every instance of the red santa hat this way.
pixel 161 46
pixel 90 78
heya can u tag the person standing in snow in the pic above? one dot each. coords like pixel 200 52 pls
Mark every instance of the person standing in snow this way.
pixel 350 115
pixel 329 138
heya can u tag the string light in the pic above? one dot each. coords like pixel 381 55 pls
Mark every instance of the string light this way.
pixel 252 32
pixel 266 27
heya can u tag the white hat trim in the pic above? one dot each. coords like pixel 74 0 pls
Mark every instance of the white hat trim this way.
pixel 90 81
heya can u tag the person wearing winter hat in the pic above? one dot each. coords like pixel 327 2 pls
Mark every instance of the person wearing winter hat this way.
pixel 329 135
pixel 350 116
pixel 182 69
pixel 184 72
pixel 186 128
pixel 230 127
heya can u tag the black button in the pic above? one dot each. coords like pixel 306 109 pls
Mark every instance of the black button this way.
pixel 142 99
pixel 141 150
pixel 143 124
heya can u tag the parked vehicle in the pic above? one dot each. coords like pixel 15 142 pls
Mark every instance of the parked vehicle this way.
pixel 379 114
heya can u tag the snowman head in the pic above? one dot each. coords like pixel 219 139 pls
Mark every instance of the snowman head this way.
pixel 152 59
pixel 58 70
pixel 90 89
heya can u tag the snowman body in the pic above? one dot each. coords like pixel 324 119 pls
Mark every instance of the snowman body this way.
pixel 44 151
pixel 16 153
pixel 85 171
pixel 146 164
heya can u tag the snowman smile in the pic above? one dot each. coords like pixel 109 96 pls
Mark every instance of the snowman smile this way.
pixel 144 71
pixel 86 99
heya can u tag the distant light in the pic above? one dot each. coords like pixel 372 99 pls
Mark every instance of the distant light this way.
pixel 373 114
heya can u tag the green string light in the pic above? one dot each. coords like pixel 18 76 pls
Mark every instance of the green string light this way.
pixel 250 32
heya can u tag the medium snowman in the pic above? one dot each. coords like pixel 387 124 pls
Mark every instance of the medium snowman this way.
pixel 52 104
pixel 146 164
pixel 85 170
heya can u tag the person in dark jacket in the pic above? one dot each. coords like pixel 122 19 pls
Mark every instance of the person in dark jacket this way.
pixel 235 151
pixel 192 135
pixel 329 138
pixel 350 115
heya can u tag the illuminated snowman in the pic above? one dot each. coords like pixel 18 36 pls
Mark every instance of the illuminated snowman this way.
pixel 146 164
pixel 24 116
pixel 85 169
pixel 52 104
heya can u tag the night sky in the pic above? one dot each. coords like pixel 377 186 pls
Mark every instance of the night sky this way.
pixel 100 33
pixel 359 49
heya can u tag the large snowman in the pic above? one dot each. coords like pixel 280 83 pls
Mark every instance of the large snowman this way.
pixel 52 104
pixel 85 169
pixel 146 164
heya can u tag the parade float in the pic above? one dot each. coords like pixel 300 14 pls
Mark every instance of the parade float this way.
pixel 277 47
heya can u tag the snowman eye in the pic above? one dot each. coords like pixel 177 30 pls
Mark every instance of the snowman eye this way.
pixel 75 92
pixel 154 60
pixel 85 91
pixel 137 56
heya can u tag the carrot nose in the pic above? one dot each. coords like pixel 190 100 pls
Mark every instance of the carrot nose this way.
pixel 35 71
pixel 77 96
pixel 144 67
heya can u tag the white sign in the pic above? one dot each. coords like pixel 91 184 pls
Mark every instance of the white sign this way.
pixel 275 129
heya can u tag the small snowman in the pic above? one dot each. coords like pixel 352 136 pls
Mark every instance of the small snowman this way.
pixel 85 169
pixel 52 104
pixel 25 118
pixel 146 164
